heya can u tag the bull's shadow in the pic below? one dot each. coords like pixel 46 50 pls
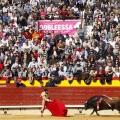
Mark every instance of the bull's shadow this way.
pixel 110 115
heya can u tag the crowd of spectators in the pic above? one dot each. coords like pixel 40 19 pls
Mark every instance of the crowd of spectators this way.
pixel 26 52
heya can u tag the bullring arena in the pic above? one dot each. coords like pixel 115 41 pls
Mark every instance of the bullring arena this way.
pixel 25 103
pixel 73 44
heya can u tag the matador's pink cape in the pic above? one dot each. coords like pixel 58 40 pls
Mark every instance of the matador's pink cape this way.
pixel 57 108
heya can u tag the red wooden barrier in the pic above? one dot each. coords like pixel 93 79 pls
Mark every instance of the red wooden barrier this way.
pixel 68 95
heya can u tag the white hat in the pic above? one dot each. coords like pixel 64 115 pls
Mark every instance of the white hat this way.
pixel 19 36
pixel 66 53
pixel 26 28
pixel 54 69
pixel 6 52
pixel 20 30
pixel 15 7
pixel 78 63
pixel 1 45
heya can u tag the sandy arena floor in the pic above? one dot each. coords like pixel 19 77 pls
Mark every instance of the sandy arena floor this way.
pixel 75 117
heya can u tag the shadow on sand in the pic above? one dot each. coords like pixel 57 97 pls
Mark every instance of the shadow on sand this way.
pixel 110 115
pixel 64 117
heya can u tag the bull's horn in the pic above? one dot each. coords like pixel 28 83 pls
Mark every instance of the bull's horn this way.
pixel 108 97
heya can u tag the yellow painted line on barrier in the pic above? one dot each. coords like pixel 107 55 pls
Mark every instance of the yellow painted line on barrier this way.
pixel 93 84
pixel 35 84
pixel 2 81
pixel 65 83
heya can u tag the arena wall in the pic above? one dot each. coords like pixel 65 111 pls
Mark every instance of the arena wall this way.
pixel 24 101
pixel 12 96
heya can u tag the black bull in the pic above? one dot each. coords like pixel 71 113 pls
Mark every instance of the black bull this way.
pixel 105 103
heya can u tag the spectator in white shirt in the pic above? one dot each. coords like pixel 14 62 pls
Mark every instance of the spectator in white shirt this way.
pixel 90 2
pixel 112 42
pixel 5 41
pixel 16 64
pixel 5 9
pixel 116 72
pixel 13 18
pixel 108 66
pixel 64 67
pixel 69 76
pixel 82 62
pixel 101 60
pixel 62 73
pixel 1 55
pixel 76 10
pixel 68 39
pixel 35 46
pixel 26 45
pixel 51 9
pixel 33 62
pixel 33 2
pixel 95 47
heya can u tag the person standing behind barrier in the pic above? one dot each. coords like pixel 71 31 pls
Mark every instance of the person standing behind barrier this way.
pixel 7 75
pixel 45 98
pixel 79 4
pixel 50 82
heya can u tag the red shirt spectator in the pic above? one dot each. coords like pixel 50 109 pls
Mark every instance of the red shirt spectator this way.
pixel 41 34
pixel 1 65
pixel 27 35
pixel 67 59
pixel 43 14
pixel 78 49
pixel 1 34
pixel 64 12
pixel 101 72
pixel 35 54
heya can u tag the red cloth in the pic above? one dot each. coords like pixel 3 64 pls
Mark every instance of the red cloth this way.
pixel 19 79
pixel 35 55
pixel 79 49
pixel 1 66
pixel 1 34
pixel 41 34
pixel 27 35
pixel 64 13
pixel 101 74
pixel 67 60
pixel 57 108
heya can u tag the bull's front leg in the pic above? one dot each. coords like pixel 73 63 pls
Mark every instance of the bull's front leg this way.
pixel 93 111
pixel 97 112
